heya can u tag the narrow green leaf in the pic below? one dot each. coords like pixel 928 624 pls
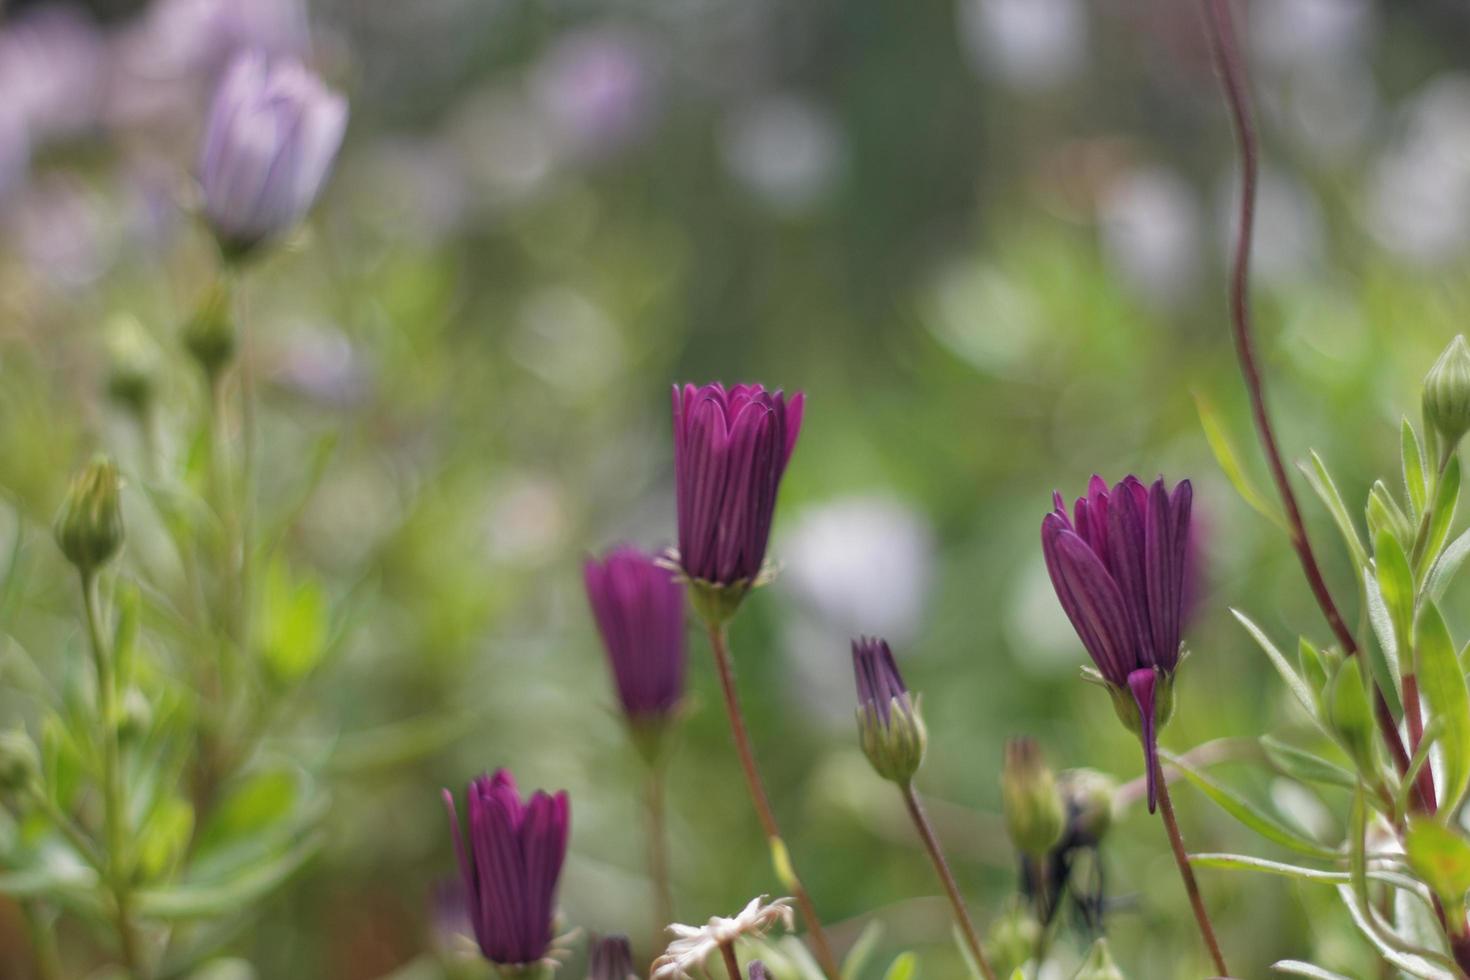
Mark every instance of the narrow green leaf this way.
pixel 1300 969
pixel 1249 815
pixel 1302 765
pixel 1396 586
pixel 1384 513
pixel 906 967
pixel 1443 685
pixel 1314 671
pixel 1441 858
pixel 1229 462
pixel 1446 499
pixel 1246 862
pixel 1444 568
pixel 862 950
pixel 206 899
pixel 1413 457
pixel 1322 484
pixel 1298 687
pixel 1425 964
pixel 1384 659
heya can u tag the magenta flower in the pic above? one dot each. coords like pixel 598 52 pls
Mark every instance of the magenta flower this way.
pixel 1118 567
pixel 730 451
pixel 511 866
pixel 878 680
pixel 610 958
pixel 639 608
pixel 890 727
pixel 273 131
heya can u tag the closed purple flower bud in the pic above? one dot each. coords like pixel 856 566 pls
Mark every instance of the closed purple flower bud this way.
pixel 889 724
pixel 758 971
pixel 730 451
pixel 610 958
pixel 639 608
pixel 273 132
pixel 511 866
pixel 1118 566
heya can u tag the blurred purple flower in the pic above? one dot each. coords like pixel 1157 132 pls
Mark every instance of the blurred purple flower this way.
pixel 511 866
pixel 730 452
pixel 596 89
pixel 449 914
pixel 52 66
pixel 1118 568
pixel 878 680
pixel 610 958
pixel 273 132
pixel 639 608
pixel 758 971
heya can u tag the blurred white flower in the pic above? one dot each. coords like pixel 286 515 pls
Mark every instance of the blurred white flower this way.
pixel 1288 235
pixel 504 145
pixel 1331 108
pixel 1027 44
pixel 785 150
pixel 320 363
pixel 1150 223
pixel 1286 33
pixel 596 89
pixel 60 225
pixel 984 316
pixel 568 341
pixel 1419 192
pixel 694 944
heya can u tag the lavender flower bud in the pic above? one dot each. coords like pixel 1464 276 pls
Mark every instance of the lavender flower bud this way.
pixel 1032 802
pixel 730 452
pixel 1447 391
pixel 89 527
pixel 610 958
pixel 758 971
pixel 1099 964
pixel 890 726
pixel 510 869
pixel 272 134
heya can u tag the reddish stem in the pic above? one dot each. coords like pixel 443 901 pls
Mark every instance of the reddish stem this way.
pixel 1181 858
pixel 1424 782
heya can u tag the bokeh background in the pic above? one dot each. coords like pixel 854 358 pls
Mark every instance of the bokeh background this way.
pixel 986 237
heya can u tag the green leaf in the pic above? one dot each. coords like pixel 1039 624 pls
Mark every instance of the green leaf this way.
pixel 294 624
pixel 1248 814
pixel 1443 686
pixel 1384 658
pixel 1300 969
pixel 1229 462
pixel 1384 513
pixel 862 950
pixel 905 967
pixel 1415 481
pixel 1297 686
pixel 1350 716
pixel 1321 482
pixel 1441 858
pixel 1313 669
pixel 1302 765
pixel 1396 586
pixel 1446 499
pixel 204 899
pixel 1442 572
pixel 1246 862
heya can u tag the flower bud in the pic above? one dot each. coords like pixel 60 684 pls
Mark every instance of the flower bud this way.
pixel 1099 964
pixel 1033 804
pixel 20 763
pixel 1012 939
pixel 89 527
pixel 132 367
pixel 1088 796
pixel 890 726
pixel 1447 391
pixel 758 971
pixel 209 335
pixel 610 958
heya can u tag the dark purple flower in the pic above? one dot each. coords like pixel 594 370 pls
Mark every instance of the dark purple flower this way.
pixel 610 958
pixel 878 680
pixel 730 451
pixel 273 132
pixel 890 727
pixel 1118 567
pixel 511 866
pixel 639 608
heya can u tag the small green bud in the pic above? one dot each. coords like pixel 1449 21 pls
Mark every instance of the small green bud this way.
pixel 1088 795
pixel 1033 804
pixel 89 527
pixel 1099 964
pixel 1349 714
pixel 20 763
pixel 715 604
pixel 1447 391
pixel 132 367
pixel 1126 707
pixel 209 335
pixel 894 747
pixel 1012 939
pixel 134 716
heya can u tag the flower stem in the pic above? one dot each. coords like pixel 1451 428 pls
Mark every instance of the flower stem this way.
pixel 719 644
pixel 956 901
pixel 1228 63
pixel 658 848
pixel 43 942
pixel 732 965
pixel 118 872
pixel 1181 858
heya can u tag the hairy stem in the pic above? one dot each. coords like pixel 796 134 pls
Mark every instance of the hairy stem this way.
pixel 658 848
pixel 956 900
pixel 784 869
pixel 1181 858
pixel 1229 64
pixel 119 873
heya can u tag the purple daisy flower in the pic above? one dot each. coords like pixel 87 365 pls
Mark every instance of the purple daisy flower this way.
pixel 639 608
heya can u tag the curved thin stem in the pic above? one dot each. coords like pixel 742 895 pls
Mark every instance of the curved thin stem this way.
pixel 658 848
pixel 951 888
pixel 118 872
pixel 1228 62
pixel 784 869
pixel 1181 858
